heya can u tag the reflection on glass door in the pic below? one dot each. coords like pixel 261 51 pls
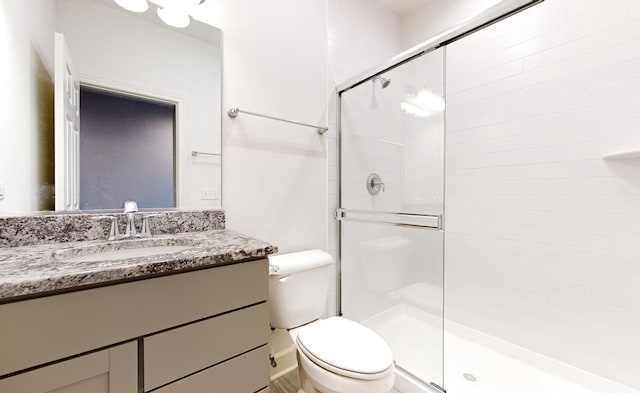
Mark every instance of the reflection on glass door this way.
pixel 391 205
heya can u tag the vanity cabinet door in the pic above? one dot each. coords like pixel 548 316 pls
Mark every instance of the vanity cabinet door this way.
pixel 108 371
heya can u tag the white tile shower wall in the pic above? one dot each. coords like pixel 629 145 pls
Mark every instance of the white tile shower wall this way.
pixel 423 138
pixel 542 234
pixel 361 33
pixel 274 174
pixel 371 143
pixel 423 165
pixel 390 265
pixel 385 265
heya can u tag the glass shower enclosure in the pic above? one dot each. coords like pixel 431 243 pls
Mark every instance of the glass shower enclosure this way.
pixel 391 157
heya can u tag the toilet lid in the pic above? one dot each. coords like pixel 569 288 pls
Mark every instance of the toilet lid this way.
pixel 345 345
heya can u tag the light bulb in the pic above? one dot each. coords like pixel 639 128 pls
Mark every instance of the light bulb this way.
pixel 133 5
pixel 173 16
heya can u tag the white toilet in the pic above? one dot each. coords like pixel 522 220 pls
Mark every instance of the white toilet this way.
pixel 335 355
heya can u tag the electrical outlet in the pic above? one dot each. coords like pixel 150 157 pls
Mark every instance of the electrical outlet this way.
pixel 210 194
pixel 2 190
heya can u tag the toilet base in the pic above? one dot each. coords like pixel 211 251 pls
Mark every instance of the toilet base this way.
pixel 305 383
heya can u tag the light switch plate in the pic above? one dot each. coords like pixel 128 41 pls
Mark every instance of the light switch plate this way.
pixel 211 194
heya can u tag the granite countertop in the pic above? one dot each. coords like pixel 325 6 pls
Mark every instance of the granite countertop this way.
pixel 41 269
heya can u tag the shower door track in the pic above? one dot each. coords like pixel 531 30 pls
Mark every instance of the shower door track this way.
pixel 430 386
pixel 413 220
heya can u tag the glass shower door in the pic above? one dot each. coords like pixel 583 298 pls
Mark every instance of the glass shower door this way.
pixel 391 206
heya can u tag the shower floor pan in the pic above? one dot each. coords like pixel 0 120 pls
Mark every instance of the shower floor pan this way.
pixel 474 362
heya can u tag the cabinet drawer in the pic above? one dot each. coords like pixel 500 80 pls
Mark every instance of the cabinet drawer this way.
pixel 247 373
pixel 176 353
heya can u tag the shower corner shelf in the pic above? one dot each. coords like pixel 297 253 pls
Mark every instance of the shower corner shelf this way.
pixel 622 155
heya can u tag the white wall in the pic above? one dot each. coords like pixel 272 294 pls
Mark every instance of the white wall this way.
pixel 542 234
pixel 361 34
pixel 274 174
pixel 133 54
pixel 26 109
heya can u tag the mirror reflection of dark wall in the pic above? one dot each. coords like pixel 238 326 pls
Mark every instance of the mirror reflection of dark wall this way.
pixel 127 151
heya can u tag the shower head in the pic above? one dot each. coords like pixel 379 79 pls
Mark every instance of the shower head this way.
pixel 384 82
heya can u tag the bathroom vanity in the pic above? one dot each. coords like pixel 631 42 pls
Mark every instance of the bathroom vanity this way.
pixel 194 320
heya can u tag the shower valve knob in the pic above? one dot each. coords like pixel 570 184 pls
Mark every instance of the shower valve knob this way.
pixel 374 184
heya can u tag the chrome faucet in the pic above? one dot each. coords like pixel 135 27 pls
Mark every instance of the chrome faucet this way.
pixel 131 207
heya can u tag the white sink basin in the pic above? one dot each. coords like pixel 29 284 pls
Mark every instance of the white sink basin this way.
pixel 127 253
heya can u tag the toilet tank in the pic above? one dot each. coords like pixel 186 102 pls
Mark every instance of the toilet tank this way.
pixel 298 286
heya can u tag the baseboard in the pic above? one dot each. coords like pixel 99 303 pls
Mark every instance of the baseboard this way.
pixel 287 362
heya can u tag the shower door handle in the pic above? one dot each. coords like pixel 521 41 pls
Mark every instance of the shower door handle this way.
pixel 428 221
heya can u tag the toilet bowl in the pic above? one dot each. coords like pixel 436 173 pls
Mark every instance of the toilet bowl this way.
pixel 339 355
pixel 335 355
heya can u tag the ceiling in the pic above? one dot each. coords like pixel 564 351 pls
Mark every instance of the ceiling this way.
pixel 404 7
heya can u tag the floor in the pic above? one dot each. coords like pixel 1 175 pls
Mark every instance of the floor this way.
pixel 288 383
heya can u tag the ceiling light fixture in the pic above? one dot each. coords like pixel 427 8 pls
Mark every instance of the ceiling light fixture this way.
pixel 174 16
pixel 176 13
pixel 133 5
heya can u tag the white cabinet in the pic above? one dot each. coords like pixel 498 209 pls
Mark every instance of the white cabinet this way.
pixel 182 328
pixel 111 370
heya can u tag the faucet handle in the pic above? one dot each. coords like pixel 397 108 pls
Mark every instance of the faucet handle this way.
pixel 114 232
pixel 374 184
pixel 146 225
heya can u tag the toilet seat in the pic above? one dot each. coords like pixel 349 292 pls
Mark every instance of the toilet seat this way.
pixel 346 348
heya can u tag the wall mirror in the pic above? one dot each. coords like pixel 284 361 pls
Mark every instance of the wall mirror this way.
pixel 121 54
